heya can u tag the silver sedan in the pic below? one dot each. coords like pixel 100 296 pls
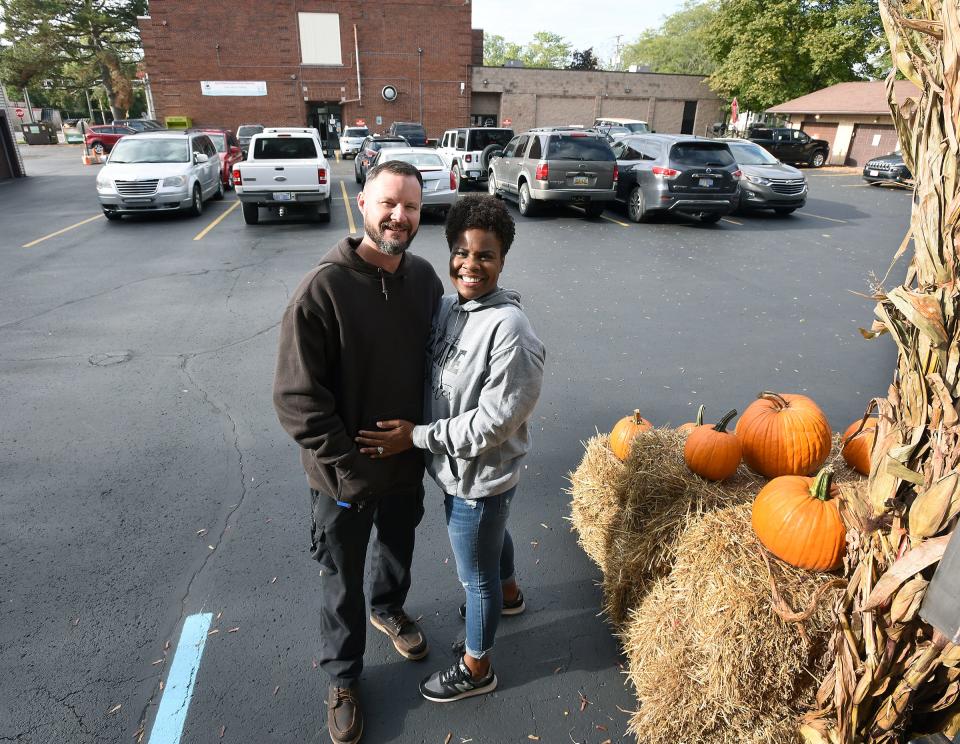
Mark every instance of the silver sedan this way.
pixel 440 185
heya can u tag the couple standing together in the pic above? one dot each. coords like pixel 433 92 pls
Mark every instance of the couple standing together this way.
pixel 380 375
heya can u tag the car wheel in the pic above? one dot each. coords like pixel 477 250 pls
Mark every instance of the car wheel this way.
pixel 111 214
pixel 196 204
pixel 709 219
pixel 456 174
pixel 218 194
pixel 525 203
pixel 486 153
pixel 492 186
pixel 594 209
pixel 323 212
pixel 636 208
pixel 97 147
pixel 784 211
pixel 356 173
pixel 251 214
pixel 818 159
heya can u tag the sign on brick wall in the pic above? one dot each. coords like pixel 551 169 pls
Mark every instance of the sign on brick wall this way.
pixel 233 87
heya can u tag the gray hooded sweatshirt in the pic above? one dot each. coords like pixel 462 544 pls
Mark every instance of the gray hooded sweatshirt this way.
pixel 486 371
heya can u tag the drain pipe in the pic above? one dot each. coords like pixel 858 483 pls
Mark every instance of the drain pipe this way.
pixel 356 52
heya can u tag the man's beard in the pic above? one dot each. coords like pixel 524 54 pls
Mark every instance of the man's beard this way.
pixel 388 247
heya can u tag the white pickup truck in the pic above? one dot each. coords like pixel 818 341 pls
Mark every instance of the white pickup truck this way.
pixel 285 171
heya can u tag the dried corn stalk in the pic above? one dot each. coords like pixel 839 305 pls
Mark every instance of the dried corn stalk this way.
pixel 891 671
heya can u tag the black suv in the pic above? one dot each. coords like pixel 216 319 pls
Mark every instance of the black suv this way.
pixel 790 145
pixel 368 150
pixel 887 169
pixel 555 164
pixel 413 132
pixel 679 173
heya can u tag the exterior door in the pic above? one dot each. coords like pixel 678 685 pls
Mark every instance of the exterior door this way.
pixel 871 140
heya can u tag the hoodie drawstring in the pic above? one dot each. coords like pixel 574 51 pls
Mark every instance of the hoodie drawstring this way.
pixel 383 285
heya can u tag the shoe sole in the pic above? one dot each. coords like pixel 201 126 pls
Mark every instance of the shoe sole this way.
pixel 375 622
pixel 489 687
pixel 347 741
pixel 504 611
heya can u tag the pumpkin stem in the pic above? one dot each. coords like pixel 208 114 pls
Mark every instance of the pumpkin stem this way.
pixel 821 484
pixel 637 418
pixel 700 415
pixel 721 425
pixel 775 397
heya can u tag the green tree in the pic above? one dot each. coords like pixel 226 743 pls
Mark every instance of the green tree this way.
pixel 679 45
pixel 497 51
pixel 74 42
pixel 584 60
pixel 546 50
pixel 770 51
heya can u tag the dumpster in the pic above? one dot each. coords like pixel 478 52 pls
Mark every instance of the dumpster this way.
pixel 72 135
pixel 40 133
pixel 178 122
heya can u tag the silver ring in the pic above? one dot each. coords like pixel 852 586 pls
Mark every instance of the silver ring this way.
pixel 379 450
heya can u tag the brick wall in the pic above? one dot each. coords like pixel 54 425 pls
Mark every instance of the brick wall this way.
pixel 186 41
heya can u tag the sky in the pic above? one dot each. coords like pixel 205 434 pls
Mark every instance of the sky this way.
pixel 581 22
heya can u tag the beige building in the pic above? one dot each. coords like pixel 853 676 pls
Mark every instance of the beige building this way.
pixel 522 98
pixel 853 117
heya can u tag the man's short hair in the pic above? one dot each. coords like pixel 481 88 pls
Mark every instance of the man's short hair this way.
pixel 397 167
pixel 483 212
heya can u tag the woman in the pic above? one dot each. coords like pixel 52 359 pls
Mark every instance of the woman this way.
pixel 486 372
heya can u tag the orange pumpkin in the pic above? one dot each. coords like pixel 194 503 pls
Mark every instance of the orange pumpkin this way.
pixel 796 520
pixel 625 431
pixel 711 451
pixel 691 425
pixel 784 435
pixel 857 449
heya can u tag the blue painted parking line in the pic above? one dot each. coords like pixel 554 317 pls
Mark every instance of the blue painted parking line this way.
pixel 172 713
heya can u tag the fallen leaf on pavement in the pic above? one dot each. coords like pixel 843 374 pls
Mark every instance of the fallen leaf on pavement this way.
pixel 158 661
pixel 223 730
pixel 201 533
pixel 531 737
pixel 545 526
pixel 276 690
pixel 273 580
pixel 214 631
pixel 114 709
pixel 447 739
pixel 234 630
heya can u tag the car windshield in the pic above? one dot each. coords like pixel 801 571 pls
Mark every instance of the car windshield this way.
pixel 249 131
pixel 407 129
pixel 219 141
pixel 422 160
pixel 284 148
pixel 637 127
pixel 482 138
pixel 379 145
pixel 145 150
pixel 751 154
pixel 701 153
pixel 578 147
pixel 356 132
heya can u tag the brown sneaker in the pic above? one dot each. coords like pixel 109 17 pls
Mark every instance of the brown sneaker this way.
pixel 344 717
pixel 406 635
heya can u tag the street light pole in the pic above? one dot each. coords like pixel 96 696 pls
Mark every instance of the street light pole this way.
pixel 420 79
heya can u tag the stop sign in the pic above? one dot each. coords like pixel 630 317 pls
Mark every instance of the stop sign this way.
pixel 19 112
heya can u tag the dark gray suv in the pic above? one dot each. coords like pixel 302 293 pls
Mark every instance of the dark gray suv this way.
pixel 679 173
pixel 554 164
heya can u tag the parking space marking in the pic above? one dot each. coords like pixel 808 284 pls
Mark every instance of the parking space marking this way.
pixel 61 232
pixel 821 217
pixel 221 218
pixel 615 222
pixel 732 222
pixel 172 712
pixel 346 204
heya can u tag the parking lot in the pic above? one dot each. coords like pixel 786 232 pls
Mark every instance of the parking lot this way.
pixel 146 480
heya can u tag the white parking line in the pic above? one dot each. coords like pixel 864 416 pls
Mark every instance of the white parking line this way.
pixel 821 217
pixel 732 222
pixel 172 713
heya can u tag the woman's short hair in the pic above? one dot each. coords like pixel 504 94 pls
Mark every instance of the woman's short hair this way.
pixel 483 212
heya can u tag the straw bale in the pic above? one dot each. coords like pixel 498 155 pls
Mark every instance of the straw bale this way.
pixel 596 497
pixel 710 659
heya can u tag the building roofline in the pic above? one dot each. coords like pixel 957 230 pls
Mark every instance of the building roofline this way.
pixel 605 72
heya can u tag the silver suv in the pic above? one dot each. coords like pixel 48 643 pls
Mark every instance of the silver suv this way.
pixel 159 172
pixel 555 164
pixel 351 139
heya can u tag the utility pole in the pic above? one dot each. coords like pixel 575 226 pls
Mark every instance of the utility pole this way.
pixel 420 78
pixel 619 59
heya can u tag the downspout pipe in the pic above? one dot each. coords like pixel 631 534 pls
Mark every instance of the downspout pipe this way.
pixel 356 53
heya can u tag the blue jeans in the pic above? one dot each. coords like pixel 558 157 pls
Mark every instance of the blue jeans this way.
pixel 483 550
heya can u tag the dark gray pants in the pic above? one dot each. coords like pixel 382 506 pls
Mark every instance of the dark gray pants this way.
pixel 339 539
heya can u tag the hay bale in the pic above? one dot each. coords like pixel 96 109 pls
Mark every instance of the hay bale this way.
pixel 596 497
pixel 661 498
pixel 710 659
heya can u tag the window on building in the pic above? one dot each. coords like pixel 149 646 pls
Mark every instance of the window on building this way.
pixel 320 38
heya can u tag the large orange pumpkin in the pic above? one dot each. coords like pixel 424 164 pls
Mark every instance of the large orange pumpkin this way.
pixel 856 450
pixel 625 431
pixel 711 451
pixel 796 520
pixel 691 425
pixel 784 434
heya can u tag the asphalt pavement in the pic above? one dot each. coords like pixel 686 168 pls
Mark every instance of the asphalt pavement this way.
pixel 150 504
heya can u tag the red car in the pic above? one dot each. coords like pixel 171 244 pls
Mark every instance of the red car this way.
pixel 228 148
pixel 102 137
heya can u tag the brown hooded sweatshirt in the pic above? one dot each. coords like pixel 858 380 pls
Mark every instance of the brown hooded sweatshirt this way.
pixel 352 352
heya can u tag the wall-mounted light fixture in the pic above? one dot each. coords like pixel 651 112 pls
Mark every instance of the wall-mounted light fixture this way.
pixel 817 117
pixel 485 81
pixel 627 90
pixel 462 87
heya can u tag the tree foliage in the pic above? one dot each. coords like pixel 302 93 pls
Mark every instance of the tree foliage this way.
pixel 584 60
pixel 77 42
pixel 770 51
pixel 679 45
pixel 546 50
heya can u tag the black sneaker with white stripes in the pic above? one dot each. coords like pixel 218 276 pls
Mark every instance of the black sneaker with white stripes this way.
pixel 456 683
pixel 509 608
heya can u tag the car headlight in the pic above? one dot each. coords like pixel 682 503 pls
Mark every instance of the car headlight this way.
pixel 174 181
pixel 758 180
pixel 103 181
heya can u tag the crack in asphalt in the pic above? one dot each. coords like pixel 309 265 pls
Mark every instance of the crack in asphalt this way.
pixel 101 293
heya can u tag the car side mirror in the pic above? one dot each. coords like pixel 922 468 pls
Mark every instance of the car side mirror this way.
pixel 199 157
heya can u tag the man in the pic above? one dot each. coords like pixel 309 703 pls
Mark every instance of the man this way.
pixel 352 346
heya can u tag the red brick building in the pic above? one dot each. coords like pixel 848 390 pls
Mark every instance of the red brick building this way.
pixel 295 62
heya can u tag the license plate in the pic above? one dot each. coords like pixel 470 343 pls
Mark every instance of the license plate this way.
pixel 581 181
pixel 282 196
pixel 874 173
pixel 706 182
